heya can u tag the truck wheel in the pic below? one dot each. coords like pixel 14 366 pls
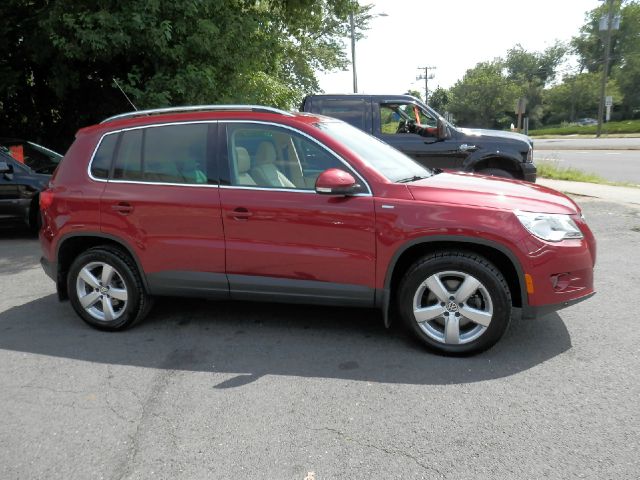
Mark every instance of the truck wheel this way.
pixel 496 172
pixel 105 289
pixel 35 219
pixel 455 302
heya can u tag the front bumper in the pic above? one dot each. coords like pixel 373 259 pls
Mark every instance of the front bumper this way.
pixel 529 172
pixel 529 311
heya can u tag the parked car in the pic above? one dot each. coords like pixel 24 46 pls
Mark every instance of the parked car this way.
pixel 253 203
pixel 20 187
pixel 414 128
pixel 587 121
pixel 38 158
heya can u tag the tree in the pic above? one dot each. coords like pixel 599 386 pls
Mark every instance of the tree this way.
pixel 439 100
pixel 575 97
pixel 588 45
pixel 533 71
pixel 484 96
pixel 60 60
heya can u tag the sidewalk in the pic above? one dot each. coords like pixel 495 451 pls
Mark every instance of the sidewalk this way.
pixel 605 192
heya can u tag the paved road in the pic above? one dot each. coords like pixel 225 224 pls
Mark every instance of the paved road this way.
pixel 231 390
pixel 569 143
pixel 613 165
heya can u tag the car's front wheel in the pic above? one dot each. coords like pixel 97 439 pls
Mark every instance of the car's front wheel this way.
pixel 455 302
pixel 105 289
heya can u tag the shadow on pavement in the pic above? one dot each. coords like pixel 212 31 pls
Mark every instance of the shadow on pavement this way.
pixel 250 340
pixel 19 247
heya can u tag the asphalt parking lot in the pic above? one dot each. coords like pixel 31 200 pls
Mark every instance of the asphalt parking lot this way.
pixel 230 390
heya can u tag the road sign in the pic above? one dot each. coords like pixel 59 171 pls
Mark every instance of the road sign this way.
pixel 608 101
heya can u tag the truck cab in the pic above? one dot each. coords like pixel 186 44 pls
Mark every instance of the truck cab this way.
pixel 414 128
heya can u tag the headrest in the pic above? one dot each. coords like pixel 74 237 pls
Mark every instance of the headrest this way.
pixel 266 153
pixel 243 160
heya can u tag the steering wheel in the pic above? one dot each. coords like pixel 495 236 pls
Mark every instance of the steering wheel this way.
pixel 406 126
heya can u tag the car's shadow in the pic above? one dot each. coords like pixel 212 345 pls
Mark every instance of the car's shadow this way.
pixel 250 340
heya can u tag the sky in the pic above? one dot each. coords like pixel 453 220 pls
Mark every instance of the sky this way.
pixel 451 35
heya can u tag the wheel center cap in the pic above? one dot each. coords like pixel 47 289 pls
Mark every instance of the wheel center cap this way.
pixel 104 290
pixel 452 306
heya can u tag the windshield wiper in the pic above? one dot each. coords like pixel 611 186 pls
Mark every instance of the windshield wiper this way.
pixel 412 179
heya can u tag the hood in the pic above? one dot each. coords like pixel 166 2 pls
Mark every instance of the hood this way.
pixel 491 192
pixel 479 132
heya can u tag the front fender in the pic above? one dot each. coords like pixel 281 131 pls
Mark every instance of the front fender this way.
pixel 510 158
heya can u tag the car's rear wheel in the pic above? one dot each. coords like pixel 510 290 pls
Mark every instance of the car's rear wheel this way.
pixel 106 290
pixel 455 302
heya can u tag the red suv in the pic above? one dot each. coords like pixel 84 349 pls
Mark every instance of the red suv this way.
pixel 253 203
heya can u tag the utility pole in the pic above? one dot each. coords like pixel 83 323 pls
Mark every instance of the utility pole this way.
pixel 426 77
pixel 353 52
pixel 605 66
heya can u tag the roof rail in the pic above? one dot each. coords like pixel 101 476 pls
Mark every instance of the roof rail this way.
pixel 197 108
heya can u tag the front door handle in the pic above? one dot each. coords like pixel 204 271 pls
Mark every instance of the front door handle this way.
pixel 123 208
pixel 240 213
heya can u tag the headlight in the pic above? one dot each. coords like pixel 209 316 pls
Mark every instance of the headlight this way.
pixel 549 226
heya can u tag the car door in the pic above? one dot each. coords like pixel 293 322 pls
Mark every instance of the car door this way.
pixel 162 197
pixel 284 240
pixel 426 149
pixel 17 189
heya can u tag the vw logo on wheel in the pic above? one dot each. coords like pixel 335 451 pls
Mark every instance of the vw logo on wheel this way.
pixel 452 306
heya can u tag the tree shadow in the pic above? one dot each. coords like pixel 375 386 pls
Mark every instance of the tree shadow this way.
pixel 250 340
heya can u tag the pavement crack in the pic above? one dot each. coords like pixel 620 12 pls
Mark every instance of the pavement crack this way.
pixel 388 451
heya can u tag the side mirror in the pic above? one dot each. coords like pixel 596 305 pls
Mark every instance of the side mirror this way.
pixel 5 168
pixel 443 131
pixel 336 182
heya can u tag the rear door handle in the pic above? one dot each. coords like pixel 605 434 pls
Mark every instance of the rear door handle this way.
pixel 123 208
pixel 241 213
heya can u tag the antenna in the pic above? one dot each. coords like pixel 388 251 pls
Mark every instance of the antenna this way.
pixel 125 95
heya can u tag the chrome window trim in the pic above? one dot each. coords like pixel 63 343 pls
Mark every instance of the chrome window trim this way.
pixel 138 182
pixel 369 192
pixel 292 190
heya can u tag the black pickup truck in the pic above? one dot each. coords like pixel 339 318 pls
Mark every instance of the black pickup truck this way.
pixel 414 128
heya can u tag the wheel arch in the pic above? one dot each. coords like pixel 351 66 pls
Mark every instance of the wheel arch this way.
pixel 501 160
pixel 74 244
pixel 496 253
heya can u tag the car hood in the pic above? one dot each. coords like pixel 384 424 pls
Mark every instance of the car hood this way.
pixel 478 132
pixel 491 192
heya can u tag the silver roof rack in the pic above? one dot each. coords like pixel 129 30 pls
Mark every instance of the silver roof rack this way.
pixel 197 108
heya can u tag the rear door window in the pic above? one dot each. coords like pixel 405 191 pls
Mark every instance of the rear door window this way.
pixel 165 154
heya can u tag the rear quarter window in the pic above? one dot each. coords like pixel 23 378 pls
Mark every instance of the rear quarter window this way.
pixel 350 111
pixel 102 159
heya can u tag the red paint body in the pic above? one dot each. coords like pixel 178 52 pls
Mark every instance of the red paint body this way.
pixel 351 240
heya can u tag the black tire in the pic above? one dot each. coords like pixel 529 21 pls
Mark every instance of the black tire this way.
pixel 489 303
pixel 125 309
pixel 496 172
pixel 35 219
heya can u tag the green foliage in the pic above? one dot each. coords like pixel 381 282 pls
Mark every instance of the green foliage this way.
pixel 484 96
pixel 553 171
pixel 577 97
pixel 532 71
pixel 625 52
pixel 439 100
pixel 60 59
pixel 621 127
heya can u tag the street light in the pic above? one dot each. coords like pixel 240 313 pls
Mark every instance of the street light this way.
pixel 352 25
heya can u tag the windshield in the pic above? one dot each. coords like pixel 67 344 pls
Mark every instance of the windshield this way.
pixel 391 163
